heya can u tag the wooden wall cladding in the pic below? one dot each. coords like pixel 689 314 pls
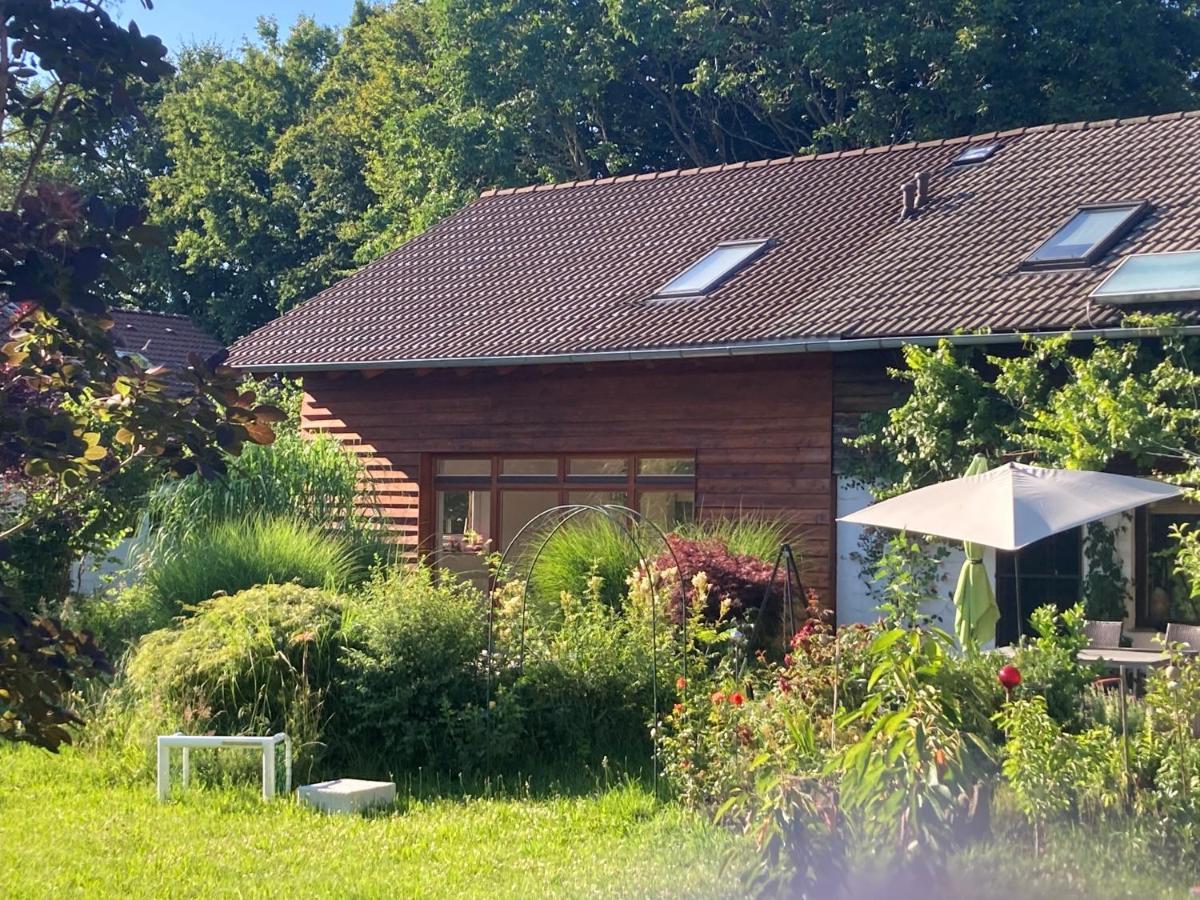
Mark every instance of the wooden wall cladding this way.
pixel 761 430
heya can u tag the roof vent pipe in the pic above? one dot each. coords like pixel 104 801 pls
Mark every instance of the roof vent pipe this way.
pixel 909 200
pixel 922 182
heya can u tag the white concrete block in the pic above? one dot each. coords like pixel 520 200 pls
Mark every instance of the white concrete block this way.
pixel 348 795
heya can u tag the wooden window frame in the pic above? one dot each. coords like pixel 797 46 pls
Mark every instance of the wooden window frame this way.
pixel 631 484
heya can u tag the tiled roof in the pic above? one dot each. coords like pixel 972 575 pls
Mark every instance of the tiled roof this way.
pixel 557 270
pixel 162 338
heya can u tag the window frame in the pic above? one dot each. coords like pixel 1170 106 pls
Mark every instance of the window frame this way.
pixel 631 484
pixel 763 244
pixel 1173 295
pixel 975 155
pixel 1138 210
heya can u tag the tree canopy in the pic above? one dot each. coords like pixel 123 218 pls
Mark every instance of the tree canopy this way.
pixel 75 413
pixel 276 169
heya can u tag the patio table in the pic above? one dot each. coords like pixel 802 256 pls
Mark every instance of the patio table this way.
pixel 1124 658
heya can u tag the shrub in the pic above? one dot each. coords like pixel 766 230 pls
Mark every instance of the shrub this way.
pixel 236 555
pixel 586 693
pixel 1050 663
pixel 259 661
pixel 118 618
pixel 410 689
pixel 736 583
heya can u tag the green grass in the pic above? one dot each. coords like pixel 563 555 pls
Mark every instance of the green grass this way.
pixel 73 826
pixel 83 825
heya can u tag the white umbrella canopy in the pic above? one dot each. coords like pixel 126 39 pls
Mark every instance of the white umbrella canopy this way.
pixel 1012 506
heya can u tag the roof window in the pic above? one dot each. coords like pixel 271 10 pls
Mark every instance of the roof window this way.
pixel 1087 236
pixel 713 268
pixel 1152 278
pixel 976 154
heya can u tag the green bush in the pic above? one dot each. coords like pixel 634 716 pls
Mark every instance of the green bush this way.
pixel 239 554
pixel 410 689
pixel 586 692
pixel 259 661
pixel 118 618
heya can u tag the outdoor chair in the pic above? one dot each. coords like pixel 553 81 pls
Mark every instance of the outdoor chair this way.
pixel 1188 635
pixel 1102 634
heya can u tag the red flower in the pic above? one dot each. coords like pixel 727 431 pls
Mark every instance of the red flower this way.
pixel 679 709
pixel 736 698
pixel 680 683
pixel 787 660
pixel 718 697
pixel 785 686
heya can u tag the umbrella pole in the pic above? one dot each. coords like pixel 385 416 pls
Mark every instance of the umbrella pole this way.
pixel 1017 586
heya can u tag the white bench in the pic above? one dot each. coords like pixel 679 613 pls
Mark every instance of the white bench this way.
pixel 186 742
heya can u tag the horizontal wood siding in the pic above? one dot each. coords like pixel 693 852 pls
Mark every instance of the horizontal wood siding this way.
pixel 861 385
pixel 761 430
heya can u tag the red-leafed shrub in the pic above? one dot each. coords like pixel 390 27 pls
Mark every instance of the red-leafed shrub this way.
pixel 739 581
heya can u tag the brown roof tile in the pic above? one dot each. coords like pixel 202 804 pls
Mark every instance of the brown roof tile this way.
pixel 537 272
pixel 162 338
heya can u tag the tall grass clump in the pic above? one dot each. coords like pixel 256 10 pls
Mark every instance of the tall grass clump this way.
pixel 239 554
pixel 589 545
pixel 752 534
pixel 313 480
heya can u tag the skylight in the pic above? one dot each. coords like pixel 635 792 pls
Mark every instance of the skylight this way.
pixel 1152 278
pixel 976 154
pixel 712 268
pixel 1087 236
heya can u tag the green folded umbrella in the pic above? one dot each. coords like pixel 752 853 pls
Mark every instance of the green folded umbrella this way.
pixel 975 609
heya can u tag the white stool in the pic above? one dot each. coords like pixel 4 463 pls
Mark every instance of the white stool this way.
pixel 186 742
pixel 347 795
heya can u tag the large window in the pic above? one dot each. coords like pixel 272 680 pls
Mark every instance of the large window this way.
pixel 1051 573
pixel 484 501
pixel 1163 594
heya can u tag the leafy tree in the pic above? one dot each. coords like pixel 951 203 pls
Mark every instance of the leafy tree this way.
pixel 251 205
pixel 74 413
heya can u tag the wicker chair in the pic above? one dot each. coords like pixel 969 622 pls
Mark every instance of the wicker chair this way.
pixel 1188 635
pixel 1102 634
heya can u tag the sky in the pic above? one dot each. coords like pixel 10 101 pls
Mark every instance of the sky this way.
pixel 226 22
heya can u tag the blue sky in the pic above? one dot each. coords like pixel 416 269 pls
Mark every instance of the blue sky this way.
pixel 225 21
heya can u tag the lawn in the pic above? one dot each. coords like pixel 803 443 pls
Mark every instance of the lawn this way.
pixel 77 825
pixel 70 826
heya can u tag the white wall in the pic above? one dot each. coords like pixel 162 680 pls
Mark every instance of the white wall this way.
pixel 854 603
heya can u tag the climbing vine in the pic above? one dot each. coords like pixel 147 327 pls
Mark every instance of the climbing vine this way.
pixel 1131 406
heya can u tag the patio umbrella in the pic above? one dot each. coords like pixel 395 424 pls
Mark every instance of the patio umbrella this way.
pixel 975 609
pixel 1012 506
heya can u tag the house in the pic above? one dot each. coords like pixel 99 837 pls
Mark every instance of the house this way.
pixel 696 342
pixel 160 339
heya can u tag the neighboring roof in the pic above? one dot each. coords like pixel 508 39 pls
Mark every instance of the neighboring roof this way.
pixel 163 339
pixel 555 271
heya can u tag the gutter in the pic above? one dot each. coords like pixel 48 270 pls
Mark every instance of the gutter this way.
pixel 750 348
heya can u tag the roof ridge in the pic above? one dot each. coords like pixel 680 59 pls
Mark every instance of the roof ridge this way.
pixel 150 312
pixel 1084 125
